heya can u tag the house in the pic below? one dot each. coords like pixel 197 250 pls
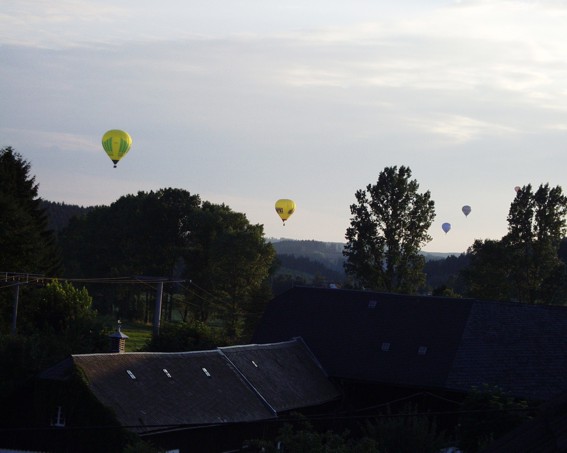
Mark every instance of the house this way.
pixel 185 401
pixel 427 343
pixel 354 353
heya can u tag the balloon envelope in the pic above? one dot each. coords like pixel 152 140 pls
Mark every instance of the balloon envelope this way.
pixel 116 143
pixel 466 210
pixel 446 227
pixel 285 208
pixel 517 188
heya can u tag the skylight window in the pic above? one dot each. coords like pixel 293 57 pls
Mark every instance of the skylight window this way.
pixel 422 350
pixel 166 373
pixel 206 372
pixel 372 304
pixel 131 374
pixel 255 364
pixel 59 419
pixel 385 347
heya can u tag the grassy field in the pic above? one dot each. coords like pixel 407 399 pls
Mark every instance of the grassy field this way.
pixel 138 335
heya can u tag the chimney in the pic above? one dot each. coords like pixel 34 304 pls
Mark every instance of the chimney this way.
pixel 118 340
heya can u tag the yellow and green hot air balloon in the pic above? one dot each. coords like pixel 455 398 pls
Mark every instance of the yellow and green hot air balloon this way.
pixel 116 143
pixel 285 208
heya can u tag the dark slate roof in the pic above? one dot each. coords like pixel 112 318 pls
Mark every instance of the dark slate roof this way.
pixel 158 391
pixel 430 342
pixel 169 389
pixel 519 347
pixel 286 374
pixel 59 372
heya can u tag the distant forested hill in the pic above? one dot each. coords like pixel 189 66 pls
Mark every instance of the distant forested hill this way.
pixel 308 269
pixel 330 254
pixel 311 259
pixel 307 262
pixel 445 272
pixel 59 214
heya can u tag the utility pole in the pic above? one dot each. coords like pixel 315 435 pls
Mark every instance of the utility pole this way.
pixel 18 278
pixel 15 309
pixel 159 297
pixel 157 310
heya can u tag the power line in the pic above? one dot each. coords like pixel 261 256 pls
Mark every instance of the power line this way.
pixel 14 278
pixel 287 418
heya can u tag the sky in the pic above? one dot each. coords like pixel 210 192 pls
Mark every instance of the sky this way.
pixel 244 102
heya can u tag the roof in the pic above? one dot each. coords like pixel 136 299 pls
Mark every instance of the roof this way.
pixel 158 391
pixel 431 342
pixel 286 374
pixel 521 348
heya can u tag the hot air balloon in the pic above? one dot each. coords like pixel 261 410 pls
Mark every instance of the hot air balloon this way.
pixel 466 210
pixel 116 143
pixel 517 188
pixel 446 227
pixel 285 208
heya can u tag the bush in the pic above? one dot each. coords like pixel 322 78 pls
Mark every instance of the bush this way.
pixel 185 337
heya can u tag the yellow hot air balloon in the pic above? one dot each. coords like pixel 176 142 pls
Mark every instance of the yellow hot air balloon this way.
pixel 116 143
pixel 285 208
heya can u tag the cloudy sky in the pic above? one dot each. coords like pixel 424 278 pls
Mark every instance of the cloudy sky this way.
pixel 246 101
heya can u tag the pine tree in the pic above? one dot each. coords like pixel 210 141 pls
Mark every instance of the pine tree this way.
pixel 27 245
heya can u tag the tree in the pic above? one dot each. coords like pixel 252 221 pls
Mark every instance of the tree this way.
pixel 525 265
pixel 171 233
pixel 409 431
pixel 486 414
pixel 388 227
pixel 53 321
pixel 488 274
pixel 27 245
pixel 230 260
pixel 536 226
pixel 300 435
pixel 138 235
pixel 59 309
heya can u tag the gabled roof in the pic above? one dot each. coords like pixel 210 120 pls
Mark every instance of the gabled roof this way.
pixel 286 374
pixel 431 342
pixel 159 391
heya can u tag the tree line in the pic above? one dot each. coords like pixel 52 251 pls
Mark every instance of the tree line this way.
pixel 490 269
pixel 390 223
pixel 218 270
